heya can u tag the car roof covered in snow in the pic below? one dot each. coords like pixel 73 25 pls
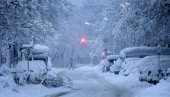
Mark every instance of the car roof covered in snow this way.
pixel 38 48
pixel 112 57
pixel 152 62
pixel 143 51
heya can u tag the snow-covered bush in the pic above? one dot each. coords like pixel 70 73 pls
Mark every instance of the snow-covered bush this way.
pixel 56 78
pixel 104 64
pixel 53 81
pixel 6 77
pixel 36 78
pixel 5 70
pixel 115 68
pixel 7 81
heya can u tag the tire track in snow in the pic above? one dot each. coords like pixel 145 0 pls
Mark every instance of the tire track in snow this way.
pixel 92 85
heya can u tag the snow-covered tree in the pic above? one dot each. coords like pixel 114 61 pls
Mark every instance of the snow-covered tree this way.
pixel 22 19
pixel 135 23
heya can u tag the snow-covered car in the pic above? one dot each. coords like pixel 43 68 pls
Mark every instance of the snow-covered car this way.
pixel 112 58
pixel 154 68
pixel 37 69
pixel 143 51
pixel 116 67
pixel 109 61
pixel 129 66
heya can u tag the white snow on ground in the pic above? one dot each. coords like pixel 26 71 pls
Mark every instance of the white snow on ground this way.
pixel 30 91
pixel 160 90
pixel 89 81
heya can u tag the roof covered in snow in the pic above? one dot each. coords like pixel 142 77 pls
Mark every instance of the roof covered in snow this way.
pixel 38 48
pixel 152 62
pixel 143 51
pixel 111 57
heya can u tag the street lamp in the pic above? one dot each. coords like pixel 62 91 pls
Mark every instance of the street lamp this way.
pixel 105 18
pixel 87 23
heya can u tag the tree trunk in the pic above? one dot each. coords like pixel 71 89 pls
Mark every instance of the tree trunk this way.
pixel 9 56
pixel 1 53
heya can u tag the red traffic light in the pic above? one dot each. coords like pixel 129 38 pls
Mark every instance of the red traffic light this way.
pixel 83 41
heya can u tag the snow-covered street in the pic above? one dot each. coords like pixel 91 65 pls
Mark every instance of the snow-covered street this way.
pixel 90 82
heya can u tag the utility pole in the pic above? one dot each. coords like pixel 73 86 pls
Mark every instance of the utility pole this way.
pixel 71 65
pixel 91 57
